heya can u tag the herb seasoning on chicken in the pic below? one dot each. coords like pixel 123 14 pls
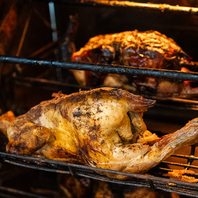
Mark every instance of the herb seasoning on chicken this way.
pixel 102 128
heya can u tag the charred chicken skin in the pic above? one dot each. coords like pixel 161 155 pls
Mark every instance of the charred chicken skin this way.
pixel 101 128
pixel 149 49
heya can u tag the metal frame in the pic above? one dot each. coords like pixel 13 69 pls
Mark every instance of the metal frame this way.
pixel 141 180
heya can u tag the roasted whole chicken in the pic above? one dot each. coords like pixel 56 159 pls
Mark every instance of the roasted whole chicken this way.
pixel 101 128
pixel 149 49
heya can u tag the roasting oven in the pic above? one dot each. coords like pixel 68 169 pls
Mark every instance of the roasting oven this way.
pixel 32 68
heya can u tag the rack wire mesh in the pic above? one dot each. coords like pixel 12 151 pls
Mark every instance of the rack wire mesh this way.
pixel 153 179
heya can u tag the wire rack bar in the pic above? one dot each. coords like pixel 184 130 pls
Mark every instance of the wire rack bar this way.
pixel 185 156
pixel 178 164
pixel 18 192
pixel 155 182
pixel 118 69
pixel 46 84
pixel 128 4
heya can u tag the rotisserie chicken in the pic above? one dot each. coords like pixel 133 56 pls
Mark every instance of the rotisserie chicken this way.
pixel 101 128
pixel 149 49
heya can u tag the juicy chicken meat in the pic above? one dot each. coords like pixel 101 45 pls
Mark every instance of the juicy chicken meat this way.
pixel 101 128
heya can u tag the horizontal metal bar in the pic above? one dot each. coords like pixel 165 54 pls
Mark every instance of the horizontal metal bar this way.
pixel 37 167
pixel 91 172
pixel 19 192
pixel 180 190
pixel 51 163
pixel 185 156
pixel 43 163
pixel 118 69
pixel 157 182
pixel 152 6
pixel 128 4
pixel 178 164
pixel 29 81
pixel 11 158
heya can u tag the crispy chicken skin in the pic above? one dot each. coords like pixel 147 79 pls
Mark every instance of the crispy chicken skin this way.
pixel 99 128
pixel 81 127
pixel 149 49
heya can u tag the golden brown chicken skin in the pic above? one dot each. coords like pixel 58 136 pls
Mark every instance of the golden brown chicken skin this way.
pixel 101 128
pixel 83 127
pixel 149 49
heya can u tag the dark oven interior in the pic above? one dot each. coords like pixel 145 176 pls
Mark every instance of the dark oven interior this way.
pixel 36 38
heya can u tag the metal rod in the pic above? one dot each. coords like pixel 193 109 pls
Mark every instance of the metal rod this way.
pixel 20 192
pixel 28 81
pixel 185 156
pixel 44 49
pixel 91 172
pixel 130 4
pixel 178 164
pixel 161 7
pixel 118 69
pixel 45 22
pixel 37 167
pixel 49 164
pixel 192 152
pixel 53 21
pixel 24 34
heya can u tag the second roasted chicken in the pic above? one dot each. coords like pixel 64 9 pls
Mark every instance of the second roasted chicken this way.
pixel 101 128
pixel 149 49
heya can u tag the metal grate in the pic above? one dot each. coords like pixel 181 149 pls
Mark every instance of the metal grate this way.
pixel 153 179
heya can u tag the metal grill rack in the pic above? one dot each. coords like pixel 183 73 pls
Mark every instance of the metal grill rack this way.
pixel 154 178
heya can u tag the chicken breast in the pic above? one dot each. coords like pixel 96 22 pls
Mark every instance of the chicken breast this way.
pixel 101 128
